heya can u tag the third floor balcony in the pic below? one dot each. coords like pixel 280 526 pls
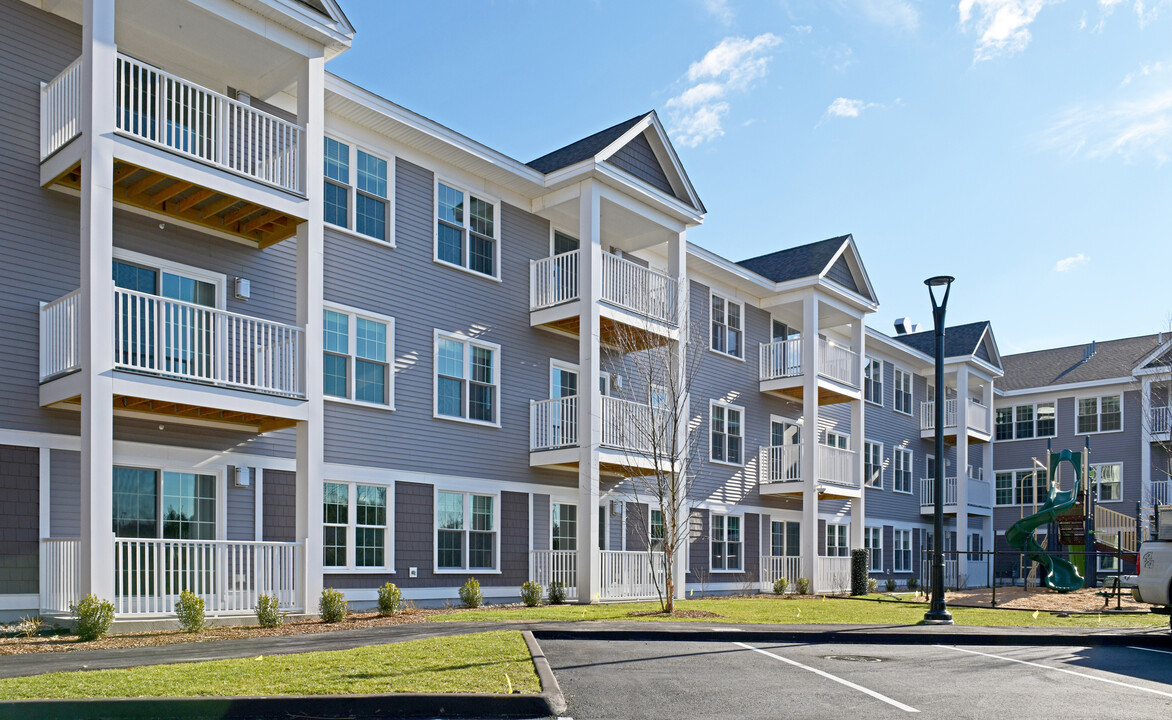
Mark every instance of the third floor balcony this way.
pixel 838 370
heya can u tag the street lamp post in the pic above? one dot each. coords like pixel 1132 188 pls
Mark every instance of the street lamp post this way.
pixel 937 614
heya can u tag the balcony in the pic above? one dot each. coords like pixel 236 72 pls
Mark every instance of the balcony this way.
pixel 182 150
pixel 781 471
pixel 979 499
pixel 1158 494
pixel 212 353
pixel 978 421
pixel 634 435
pixel 638 305
pixel 839 372
pixel 1161 423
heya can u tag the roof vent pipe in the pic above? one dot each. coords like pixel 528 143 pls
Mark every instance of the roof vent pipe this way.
pixel 1088 352
pixel 904 325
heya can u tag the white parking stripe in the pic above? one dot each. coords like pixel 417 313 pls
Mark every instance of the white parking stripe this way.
pixel 828 676
pixel 1165 652
pixel 1058 669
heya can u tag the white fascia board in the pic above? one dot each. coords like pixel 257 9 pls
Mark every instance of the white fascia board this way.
pixel 645 192
pixel 651 120
pixel 760 285
pixel 336 36
pixel 1159 370
pixel 850 243
pixel 1065 387
pixel 1140 369
pixel 895 347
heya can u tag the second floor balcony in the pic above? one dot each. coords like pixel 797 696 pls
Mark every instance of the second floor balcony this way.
pixel 976 418
pixel 978 496
pixel 839 370
pixel 1161 423
pixel 634 435
pixel 781 471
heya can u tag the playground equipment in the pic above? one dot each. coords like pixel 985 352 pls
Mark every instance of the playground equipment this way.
pixel 1060 574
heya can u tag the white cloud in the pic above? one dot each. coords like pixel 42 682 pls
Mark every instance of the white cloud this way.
pixel 1066 264
pixel 1132 129
pixel 803 29
pixel 847 108
pixel 1003 25
pixel 696 115
pixel 720 9
pixel 899 14
pixel 1144 71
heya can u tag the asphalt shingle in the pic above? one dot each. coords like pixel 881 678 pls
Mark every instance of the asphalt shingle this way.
pixel 959 340
pixel 796 262
pixel 583 149
pixel 1061 366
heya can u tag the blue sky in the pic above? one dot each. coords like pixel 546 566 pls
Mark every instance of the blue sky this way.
pixel 1020 145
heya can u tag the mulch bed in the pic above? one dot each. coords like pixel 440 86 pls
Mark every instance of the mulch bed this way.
pixel 1017 598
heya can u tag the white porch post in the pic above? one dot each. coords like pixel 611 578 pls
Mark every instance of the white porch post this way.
pixel 1145 455
pixel 677 258
pixel 962 469
pixel 858 438
pixel 96 324
pixel 809 355
pixel 310 444
pixel 589 395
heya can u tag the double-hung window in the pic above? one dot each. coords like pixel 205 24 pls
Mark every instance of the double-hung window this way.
pixel 564 527
pixel 357 201
pixel 354 525
pixel 902 550
pixel 1024 421
pixel 1100 414
pixel 726 542
pixel 1109 482
pixel 873 380
pixel 903 470
pixel 727 327
pixel 466 537
pixel 873 541
pixel 1030 485
pixel 873 464
pixel 903 391
pixel 836 544
pixel 785 538
pixel 467 379
pixel 727 431
pixel 466 231
pixel 1020 422
pixel 358 350
pixel 1003 488
pixel 656 530
pixel 1004 424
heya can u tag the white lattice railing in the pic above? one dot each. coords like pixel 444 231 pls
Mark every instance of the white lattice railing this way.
pixel 59 573
pixel 553 423
pixel 1161 419
pixel 553 280
pixel 549 566
pixel 775 567
pixel 638 289
pixel 833 575
pixel 837 466
pixel 149 574
pixel 928 491
pixel 59 322
pixel 631 574
pixel 61 109
pixel 781 463
pixel 781 359
pixel 839 363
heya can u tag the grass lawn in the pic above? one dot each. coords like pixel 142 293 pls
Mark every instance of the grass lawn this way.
pixel 885 611
pixel 485 662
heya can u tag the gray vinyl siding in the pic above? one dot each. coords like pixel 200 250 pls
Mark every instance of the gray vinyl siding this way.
pixel 983 351
pixel 541 522
pixel 840 272
pixel 895 430
pixel 698 560
pixel 405 283
pixel 279 506
pixel 241 509
pixel 638 522
pixel 65 494
pixel 637 158
pixel 614 540
pixel 19 519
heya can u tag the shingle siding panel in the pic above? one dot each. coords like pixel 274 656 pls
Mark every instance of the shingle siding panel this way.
pixel 637 158
pixel 279 506
pixel 19 519
pixel 64 493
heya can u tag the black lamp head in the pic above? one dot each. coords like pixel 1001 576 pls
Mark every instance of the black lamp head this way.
pixel 939 280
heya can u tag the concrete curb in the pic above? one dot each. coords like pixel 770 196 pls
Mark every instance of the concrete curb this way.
pixel 549 682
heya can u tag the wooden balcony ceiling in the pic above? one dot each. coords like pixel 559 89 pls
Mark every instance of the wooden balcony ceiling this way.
pixel 615 334
pixel 826 396
pixel 232 418
pixel 161 193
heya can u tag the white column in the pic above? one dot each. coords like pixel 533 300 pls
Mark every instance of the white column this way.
pixel 858 438
pixel 96 321
pixel 1145 442
pixel 990 478
pixel 310 252
pixel 677 258
pixel 962 467
pixel 809 344
pixel 589 396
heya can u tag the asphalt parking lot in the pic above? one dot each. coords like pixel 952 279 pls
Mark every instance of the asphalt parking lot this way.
pixel 730 679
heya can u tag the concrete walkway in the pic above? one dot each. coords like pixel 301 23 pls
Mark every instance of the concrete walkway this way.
pixel 37 663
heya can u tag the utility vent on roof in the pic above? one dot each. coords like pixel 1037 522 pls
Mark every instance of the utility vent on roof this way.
pixel 1088 352
pixel 903 326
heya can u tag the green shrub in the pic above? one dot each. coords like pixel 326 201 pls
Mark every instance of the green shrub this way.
pixel 268 612
pixel 94 617
pixel 890 584
pixel 557 593
pixel 531 594
pixel 190 611
pixel 872 585
pixel 860 559
pixel 779 586
pixel 333 606
pixel 390 599
pixel 803 585
pixel 913 582
pixel 470 594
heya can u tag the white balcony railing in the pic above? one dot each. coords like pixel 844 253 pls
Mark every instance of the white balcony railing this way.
pixel 839 363
pixel 632 426
pixel 181 340
pixel 549 566
pixel 776 567
pixel 61 109
pixel 553 423
pixel 149 574
pixel 553 280
pixel 59 572
pixel 837 466
pixel 781 359
pixel 978 493
pixel 833 575
pixel 625 284
pixel 1159 494
pixel 631 574
pixel 781 463
pixel 977 416
pixel 1161 420
pixel 928 491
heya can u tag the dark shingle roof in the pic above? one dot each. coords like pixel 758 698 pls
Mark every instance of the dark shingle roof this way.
pixel 1163 360
pixel 796 262
pixel 583 149
pixel 959 340
pixel 1060 366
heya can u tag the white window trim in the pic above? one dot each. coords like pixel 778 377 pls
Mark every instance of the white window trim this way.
pixel 882 463
pixel 911 469
pixel 577 518
pixel 828 433
pixel 1012 487
pixel 496 372
pixel 555 364
pixel 352 192
pixel 663 517
pixel 221 499
pixel 351 342
pixel 1015 471
pixel 351 567
pixel 740 542
pixel 878 531
pixel 896 550
pixel 1013 408
pixel 467 522
pixel 867 361
pixel 467 227
pixel 1099 413
pixel 846 535
pixel 727 301
pixel 896 372
pixel 1098 482
pixel 727 406
pixel 220 280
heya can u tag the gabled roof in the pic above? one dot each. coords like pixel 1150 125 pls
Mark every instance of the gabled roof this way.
pixel 959 341
pixel 796 262
pixel 332 10
pixel 583 149
pixel 1065 365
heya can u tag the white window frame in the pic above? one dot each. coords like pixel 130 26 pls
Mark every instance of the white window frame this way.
pixel 873 541
pixel 159 265
pixel 435 376
pixel 867 481
pixel 841 532
pixel 909 468
pixel 221 499
pixel 897 375
pixel 465 530
pixel 1033 423
pixel 1012 487
pixel 555 364
pixel 712 429
pixel 1099 482
pixel 785 548
pixel 726 542
pixel 552 514
pixel 832 433
pixel 352 315
pixel 651 540
pixel 901 563
pixel 869 364
pixel 351 567
pixel 1099 413
pixel 467 228
pixel 352 191
pixel 725 327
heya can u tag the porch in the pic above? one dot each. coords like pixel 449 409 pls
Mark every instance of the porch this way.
pixel 623 574
pixel 1161 423
pixel 832 576
pixel 978 420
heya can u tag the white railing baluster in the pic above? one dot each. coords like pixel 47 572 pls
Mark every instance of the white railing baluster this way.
pixel 781 463
pixel 839 363
pixel 61 109
pixel 781 359
pixel 837 466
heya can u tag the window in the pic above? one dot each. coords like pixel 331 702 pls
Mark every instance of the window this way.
pixel 785 538
pixel 1003 487
pixel 726 327
pixel 976 546
pixel 465 531
pixel 873 541
pixel 656 530
pixel 466 379
pixel 903 391
pixel 336 506
pixel 836 545
pixel 358 369
pixel 564 528
pixel 1021 422
pixel 370 530
pixel 354 516
pixel 1004 424
pixel 873 464
pixel 726 542
pixel 184 502
pixel 873 381
pixel 903 470
pixel 1047 424
pixel 1100 414
pixel 1031 485
pixel 902 550
pixel 1025 421
pixel 370 191
pixel 466 230
pixel 1108 482
pixel 837 440
pixel 727 433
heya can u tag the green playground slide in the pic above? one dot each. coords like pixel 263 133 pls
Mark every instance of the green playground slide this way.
pixel 1061 574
